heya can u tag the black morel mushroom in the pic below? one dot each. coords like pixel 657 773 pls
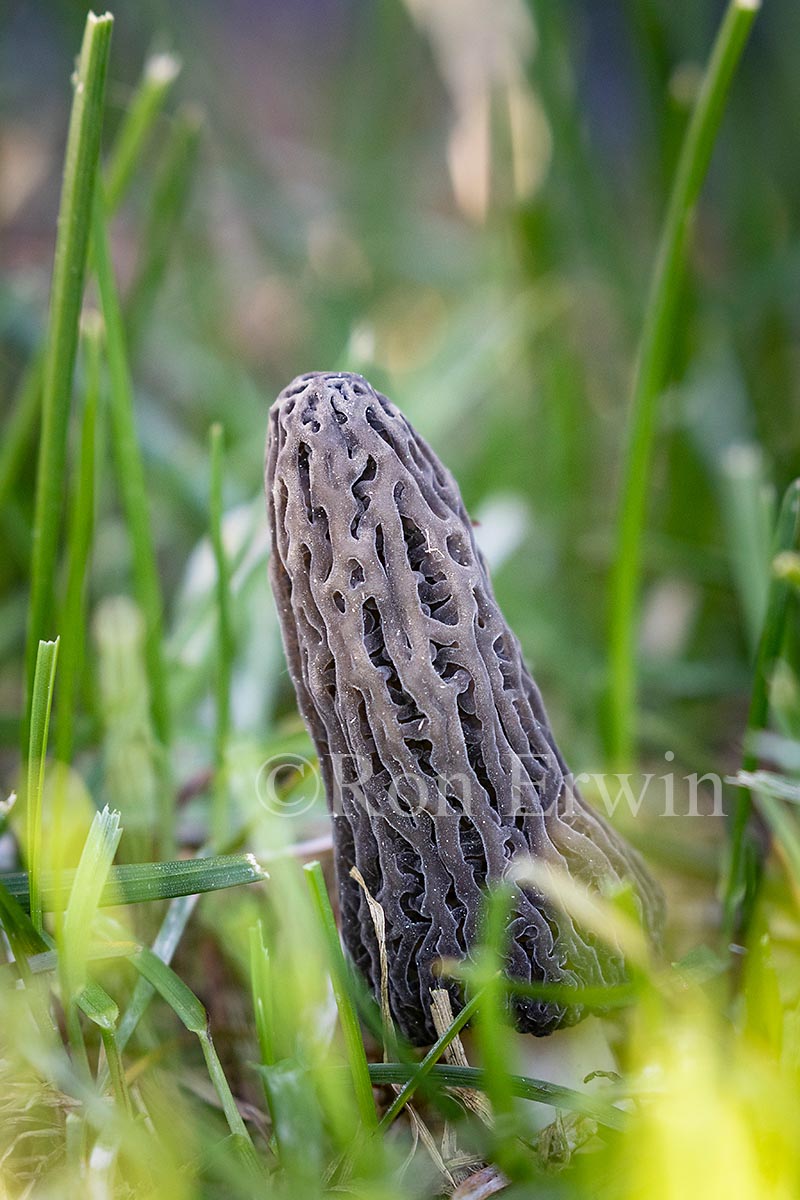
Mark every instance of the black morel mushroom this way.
pixel 438 760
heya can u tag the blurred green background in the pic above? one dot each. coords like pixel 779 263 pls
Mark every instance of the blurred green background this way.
pixel 462 201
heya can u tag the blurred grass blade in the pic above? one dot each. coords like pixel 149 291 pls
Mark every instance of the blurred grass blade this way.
pixel 220 822
pixel 132 761
pixel 164 946
pixel 79 541
pixel 784 827
pixel 19 429
pixel 74 219
pixel 493 1035
pixel 354 1044
pixel 650 373
pixel 749 516
pixel 192 1014
pixel 133 488
pixel 23 936
pixel 165 216
pixel 86 892
pixel 159 74
pixel 537 1090
pixel 137 883
pixel 741 881
pixel 769 784
pixel 261 984
pixel 41 706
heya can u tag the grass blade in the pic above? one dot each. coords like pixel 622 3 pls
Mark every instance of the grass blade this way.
pixel 23 936
pixel 749 516
pixel 41 706
pixel 19 429
pixel 537 1090
pixel 429 1061
pixel 88 887
pixel 138 883
pixel 96 1004
pixel 79 542
pixel 224 641
pixel 784 827
pixel 133 488
pixel 354 1044
pixel 492 1032
pixel 192 1014
pixel 159 74
pixel 80 171
pixel 652 361
pixel 261 984
pixel 743 867
pixel 170 198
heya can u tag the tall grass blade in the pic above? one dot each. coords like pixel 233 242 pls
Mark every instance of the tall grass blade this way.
pixel 79 542
pixel 740 885
pixel 224 642
pixel 651 368
pixel 133 490
pixel 748 510
pixel 41 706
pixel 159 73
pixel 19 429
pixel 354 1044
pixel 80 172
pixel 164 219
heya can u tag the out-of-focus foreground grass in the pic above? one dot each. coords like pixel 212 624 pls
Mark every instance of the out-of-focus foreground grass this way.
pixel 463 202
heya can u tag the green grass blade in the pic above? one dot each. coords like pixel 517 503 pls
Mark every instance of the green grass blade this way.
pixel 126 150
pixel 165 216
pixel 492 1032
pixel 429 1061
pixel 164 946
pixel 41 706
pixel 192 1014
pixel 23 936
pixel 784 828
pixel 133 488
pixel 138 883
pixel 224 642
pixel 86 892
pixel 740 885
pixel 79 542
pixel 96 1004
pixel 651 366
pixel 261 984
pixel 354 1044
pixel 159 74
pixel 172 989
pixel 19 429
pixel 521 1086
pixel 749 516
pixel 80 172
